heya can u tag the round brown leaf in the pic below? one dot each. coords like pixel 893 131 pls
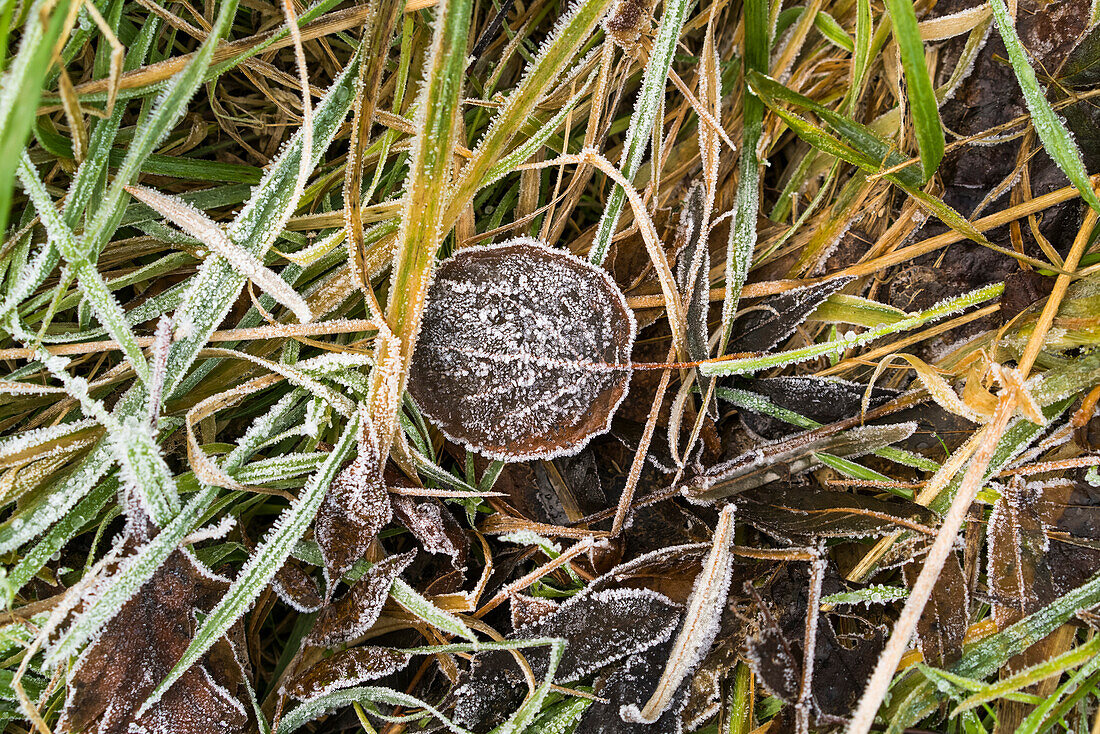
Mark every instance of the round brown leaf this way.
pixel 524 351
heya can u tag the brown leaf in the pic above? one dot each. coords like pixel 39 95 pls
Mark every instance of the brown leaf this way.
pixel 527 610
pixel 514 352
pixel 771 320
pixel 799 514
pixel 137 649
pixel 693 280
pixel 353 614
pixel 356 507
pixel 296 588
pixel 434 526
pixel 346 669
pixel 943 622
pixel 599 628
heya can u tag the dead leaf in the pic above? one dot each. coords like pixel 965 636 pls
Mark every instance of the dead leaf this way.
pixel 524 350
pixel 353 614
pixel 296 588
pixel 346 669
pixel 764 324
pixel 141 644
pixel 945 618
pixel 356 507
pixel 599 628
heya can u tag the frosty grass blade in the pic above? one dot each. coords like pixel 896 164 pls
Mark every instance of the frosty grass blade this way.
pixel 524 351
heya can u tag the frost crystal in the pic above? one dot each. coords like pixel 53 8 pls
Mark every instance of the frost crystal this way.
pixel 524 351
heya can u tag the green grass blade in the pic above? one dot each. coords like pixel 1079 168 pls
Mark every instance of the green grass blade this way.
pixel 642 120
pixel 923 107
pixel 570 33
pixel 1057 139
pixel 20 90
pixel 152 130
pixel 748 365
pixel 742 237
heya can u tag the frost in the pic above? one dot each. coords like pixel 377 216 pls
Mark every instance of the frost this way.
pixel 296 589
pixel 356 612
pixel 346 669
pixel 524 351
pixel 761 327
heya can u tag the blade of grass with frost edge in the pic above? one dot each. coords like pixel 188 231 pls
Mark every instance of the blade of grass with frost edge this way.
pixel 1057 140
pixel 923 108
pixel 214 289
pixel 642 119
pixel 265 561
pixel 421 232
pixel 21 90
pixel 152 130
pixel 565 40
pixel 108 310
pixel 742 236
pixel 746 365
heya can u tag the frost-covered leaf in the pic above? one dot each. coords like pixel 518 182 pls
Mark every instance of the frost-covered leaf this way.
pixel 693 278
pixel 356 611
pixel 137 648
pixel 432 524
pixel 945 618
pixel 802 514
pixel 1082 65
pixel 524 350
pixel 820 399
pixel 775 652
pixel 630 684
pixel 356 507
pixel 766 323
pixel 783 459
pixel 599 628
pixel 527 610
pixel 296 588
pixel 345 669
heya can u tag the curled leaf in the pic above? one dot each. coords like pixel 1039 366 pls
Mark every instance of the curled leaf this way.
pixel 296 588
pixel 524 351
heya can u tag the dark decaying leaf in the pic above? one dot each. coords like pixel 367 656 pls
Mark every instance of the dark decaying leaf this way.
pixel 141 644
pixel 693 280
pixel 353 614
pixel 943 622
pixel 820 399
pixel 775 652
pixel 1082 66
pixel 434 526
pixel 771 320
pixel 1042 540
pixel 800 514
pixel 527 610
pixel 632 682
pixel 296 588
pixel 599 628
pixel 523 352
pixel 347 668
pixel 783 459
pixel 1036 556
pixel 356 507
